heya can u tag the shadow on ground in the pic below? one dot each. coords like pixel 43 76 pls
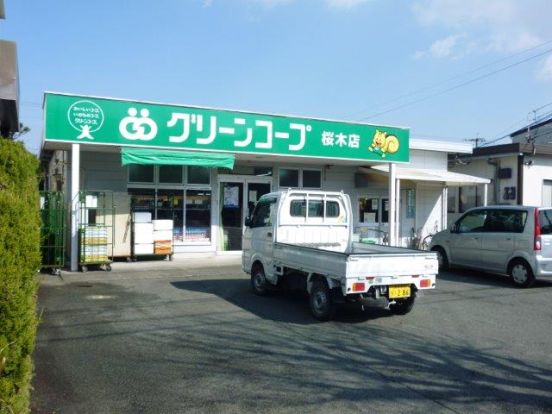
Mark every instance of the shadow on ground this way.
pixel 278 306
pixel 479 278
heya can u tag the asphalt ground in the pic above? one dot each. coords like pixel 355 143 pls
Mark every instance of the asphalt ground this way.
pixel 190 336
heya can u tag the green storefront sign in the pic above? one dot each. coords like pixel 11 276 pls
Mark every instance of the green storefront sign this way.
pixel 86 120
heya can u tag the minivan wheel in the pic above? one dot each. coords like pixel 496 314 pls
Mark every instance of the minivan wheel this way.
pixel 441 257
pixel 521 274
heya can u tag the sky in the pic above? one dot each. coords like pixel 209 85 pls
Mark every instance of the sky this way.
pixel 449 70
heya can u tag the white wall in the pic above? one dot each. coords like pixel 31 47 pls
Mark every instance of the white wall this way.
pixel 533 177
pixel 428 159
pixel 429 208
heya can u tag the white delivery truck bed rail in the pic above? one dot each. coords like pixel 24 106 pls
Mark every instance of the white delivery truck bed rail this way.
pixel 357 261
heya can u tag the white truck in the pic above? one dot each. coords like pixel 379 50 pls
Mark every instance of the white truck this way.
pixel 303 240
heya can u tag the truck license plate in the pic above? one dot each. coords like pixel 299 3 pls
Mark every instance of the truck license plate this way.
pixel 399 291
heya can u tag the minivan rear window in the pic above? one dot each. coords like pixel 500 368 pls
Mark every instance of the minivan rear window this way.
pixel 545 220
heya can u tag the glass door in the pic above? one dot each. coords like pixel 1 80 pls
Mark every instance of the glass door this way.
pixel 237 196
pixel 231 215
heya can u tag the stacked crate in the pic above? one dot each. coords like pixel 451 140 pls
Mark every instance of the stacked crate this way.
pixel 162 237
pixel 142 234
pixel 151 237
pixel 94 245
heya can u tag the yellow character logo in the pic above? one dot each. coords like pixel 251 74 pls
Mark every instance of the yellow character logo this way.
pixel 384 143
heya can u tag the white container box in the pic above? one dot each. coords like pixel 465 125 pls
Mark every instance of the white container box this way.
pixel 143 248
pixel 141 217
pixel 143 233
pixel 162 235
pixel 162 225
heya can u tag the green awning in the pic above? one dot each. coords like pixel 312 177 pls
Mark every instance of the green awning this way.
pixel 146 156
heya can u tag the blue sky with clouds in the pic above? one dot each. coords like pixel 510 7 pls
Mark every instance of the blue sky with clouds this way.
pixel 447 69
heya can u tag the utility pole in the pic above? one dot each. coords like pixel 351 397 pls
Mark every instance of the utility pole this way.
pixel 476 141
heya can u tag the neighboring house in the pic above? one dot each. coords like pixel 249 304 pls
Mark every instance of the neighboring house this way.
pixel 9 85
pixel 520 172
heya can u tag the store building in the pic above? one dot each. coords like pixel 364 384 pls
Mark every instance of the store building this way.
pixel 204 168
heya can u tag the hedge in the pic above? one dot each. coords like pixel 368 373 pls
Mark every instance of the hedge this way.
pixel 19 261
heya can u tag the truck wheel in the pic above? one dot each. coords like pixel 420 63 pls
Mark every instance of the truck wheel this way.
pixel 521 274
pixel 403 306
pixel 258 281
pixel 320 300
pixel 441 257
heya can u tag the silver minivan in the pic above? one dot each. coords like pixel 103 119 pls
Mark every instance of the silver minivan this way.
pixel 515 240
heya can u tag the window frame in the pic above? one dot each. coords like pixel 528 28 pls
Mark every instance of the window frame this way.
pixel 300 177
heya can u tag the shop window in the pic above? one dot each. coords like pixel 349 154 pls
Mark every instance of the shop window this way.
pixel 385 210
pixel 468 198
pixel 451 200
pixel 170 174
pixel 198 216
pixel 410 203
pixel 368 210
pixel 140 173
pixel 312 178
pixel 169 206
pixel 289 178
pixel 198 175
pixel 142 200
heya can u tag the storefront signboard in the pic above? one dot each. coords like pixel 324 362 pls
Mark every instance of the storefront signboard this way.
pixel 91 120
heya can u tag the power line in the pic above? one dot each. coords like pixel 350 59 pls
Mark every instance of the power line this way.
pixel 486 75
pixel 460 75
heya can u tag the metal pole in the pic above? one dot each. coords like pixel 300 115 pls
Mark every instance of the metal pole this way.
pixel 485 192
pixel 75 180
pixel 391 212
pixel 398 211
pixel 444 208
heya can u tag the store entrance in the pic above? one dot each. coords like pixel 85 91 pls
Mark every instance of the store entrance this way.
pixel 237 199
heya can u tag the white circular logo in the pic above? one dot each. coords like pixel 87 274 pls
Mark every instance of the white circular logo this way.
pixel 86 117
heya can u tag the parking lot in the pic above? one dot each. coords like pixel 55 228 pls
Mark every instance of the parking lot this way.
pixel 189 336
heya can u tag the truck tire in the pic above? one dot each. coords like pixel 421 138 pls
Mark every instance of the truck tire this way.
pixel 321 302
pixel 258 281
pixel 403 306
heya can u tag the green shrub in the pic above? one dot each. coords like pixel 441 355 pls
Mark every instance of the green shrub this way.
pixel 19 261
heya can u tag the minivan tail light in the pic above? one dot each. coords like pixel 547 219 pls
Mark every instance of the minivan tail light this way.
pixel 537 244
